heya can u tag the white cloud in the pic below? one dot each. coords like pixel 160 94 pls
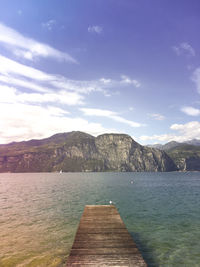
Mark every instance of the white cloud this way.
pixel 187 47
pixel 22 83
pixel 187 131
pixel 23 91
pixel 49 88
pixel 95 29
pixel 28 48
pixel 105 81
pixel 184 48
pixel 125 79
pixel 109 114
pixel 28 77
pixel 17 74
pixel 11 69
pixel 10 66
pixel 12 95
pixel 158 138
pixel 157 116
pixel 61 97
pixel 7 94
pixel 49 24
pixel 191 111
pixel 23 122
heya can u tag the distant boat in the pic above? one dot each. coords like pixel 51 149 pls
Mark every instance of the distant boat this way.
pixel 61 171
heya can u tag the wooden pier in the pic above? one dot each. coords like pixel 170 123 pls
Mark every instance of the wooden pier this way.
pixel 103 240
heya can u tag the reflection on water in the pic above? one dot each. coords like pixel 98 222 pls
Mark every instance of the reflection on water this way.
pixel 39 214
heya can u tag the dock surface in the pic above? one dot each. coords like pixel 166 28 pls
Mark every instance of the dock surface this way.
pixel 103 240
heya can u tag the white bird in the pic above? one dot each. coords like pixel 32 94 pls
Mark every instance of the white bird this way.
pixel 110 202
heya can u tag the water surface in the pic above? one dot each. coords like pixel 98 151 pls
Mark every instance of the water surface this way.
pixel 40 212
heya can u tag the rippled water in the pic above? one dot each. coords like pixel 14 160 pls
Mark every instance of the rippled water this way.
pixel 39 214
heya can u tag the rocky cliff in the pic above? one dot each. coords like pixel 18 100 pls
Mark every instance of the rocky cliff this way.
pixel 77 151
pixel 185 156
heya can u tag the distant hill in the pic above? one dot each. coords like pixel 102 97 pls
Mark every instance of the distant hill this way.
pixel 173 144
pixel 78 151
pixel 166 146
pixel 194 142
pixel 186 157
pixel 156 146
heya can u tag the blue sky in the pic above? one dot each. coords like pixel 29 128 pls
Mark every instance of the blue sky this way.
pixel 100 66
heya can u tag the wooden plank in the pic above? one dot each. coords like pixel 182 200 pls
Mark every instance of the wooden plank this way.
pixel 103 240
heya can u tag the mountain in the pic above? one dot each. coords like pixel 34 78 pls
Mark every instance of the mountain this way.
pixel 194 142
pixel 186 157
pixel 156 146
pixel 172 144
pixel 78 151
pixel 166 146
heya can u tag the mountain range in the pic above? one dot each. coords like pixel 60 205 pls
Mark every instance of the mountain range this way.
pixel 78 152
pixel 185 155
pixel 172 144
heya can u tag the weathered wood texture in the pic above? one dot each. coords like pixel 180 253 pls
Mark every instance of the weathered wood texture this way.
pixel 103 240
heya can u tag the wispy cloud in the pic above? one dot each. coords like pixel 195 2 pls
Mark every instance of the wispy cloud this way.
pixel 20 82
pixel 8 66
pixel 184 48
pixel 12 95
pixel 49 87
pixel 185 132
pixel 123 81
pixel 109 114
pixel 126 80
pixel 156 116
pixel 95 29
pixel 17 74
pixel 36 108
pixel 33 98
pixel 191 111
pixel 196 79
pixel 28 48
pixel 49 24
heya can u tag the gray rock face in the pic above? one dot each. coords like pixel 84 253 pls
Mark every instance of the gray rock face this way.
pixel 188 163
pixel 122 153
pixel 78 151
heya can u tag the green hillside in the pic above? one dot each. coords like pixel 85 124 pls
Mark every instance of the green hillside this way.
pixel 186 157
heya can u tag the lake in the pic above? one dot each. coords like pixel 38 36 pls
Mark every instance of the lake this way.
pixel 40 212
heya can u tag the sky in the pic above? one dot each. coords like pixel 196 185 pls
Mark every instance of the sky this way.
pixel 100 66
